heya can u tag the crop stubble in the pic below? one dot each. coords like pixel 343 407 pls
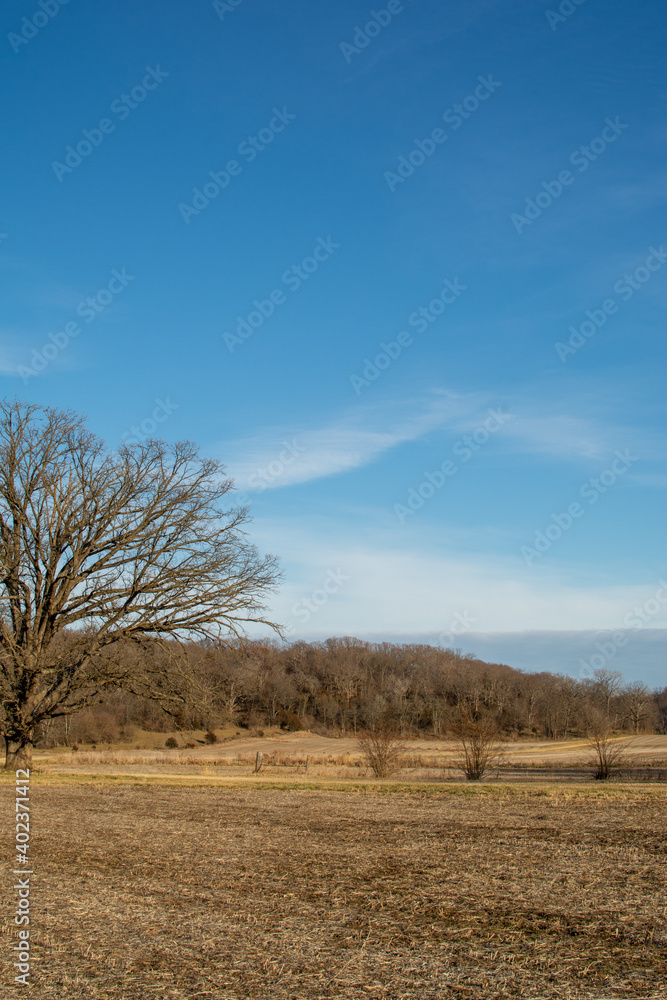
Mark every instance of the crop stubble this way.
pixel 254 893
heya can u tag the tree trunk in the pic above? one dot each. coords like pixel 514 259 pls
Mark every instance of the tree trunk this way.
pixel 17 755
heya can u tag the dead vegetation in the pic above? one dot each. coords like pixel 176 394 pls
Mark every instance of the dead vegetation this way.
pixel 609 754
pixel 478 745
pixel 381 748
pixel 241 893
pixel 316 757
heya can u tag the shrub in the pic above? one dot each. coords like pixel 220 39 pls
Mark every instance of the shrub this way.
pixel 211 738
pixel 381 748
pixel 608 753
pixel 477 744
pixel 171 743
pixel 291 722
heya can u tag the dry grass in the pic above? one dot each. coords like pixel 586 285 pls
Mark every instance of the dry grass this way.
pixel 246 893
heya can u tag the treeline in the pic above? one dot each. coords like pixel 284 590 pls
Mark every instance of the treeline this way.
pixel 342 686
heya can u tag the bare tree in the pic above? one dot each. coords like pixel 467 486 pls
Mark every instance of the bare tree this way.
pixel 637 703
pixel 660 702
pixel 607 683
pixel 609 753
pixel 381 748
pixel 100 551
pixel 478 747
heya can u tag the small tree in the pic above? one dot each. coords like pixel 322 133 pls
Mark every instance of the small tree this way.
pixel 478 747
pixel 609 754
pixel 381 748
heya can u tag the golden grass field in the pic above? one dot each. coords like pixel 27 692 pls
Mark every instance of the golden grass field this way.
pixel 326 757
pixel 189 887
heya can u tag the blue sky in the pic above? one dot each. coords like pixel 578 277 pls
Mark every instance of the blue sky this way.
pixel 402 272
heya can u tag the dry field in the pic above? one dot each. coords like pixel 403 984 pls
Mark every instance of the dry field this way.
pixel 645 747
pixel 323 757
pixel 221 890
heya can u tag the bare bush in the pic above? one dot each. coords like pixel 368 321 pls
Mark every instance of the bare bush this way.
pixel 478 747
pixel 609 754
pixel 381 748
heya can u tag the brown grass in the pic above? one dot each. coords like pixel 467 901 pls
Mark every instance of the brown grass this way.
pixel 249 893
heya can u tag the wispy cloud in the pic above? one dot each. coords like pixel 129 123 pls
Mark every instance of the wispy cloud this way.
pixel 293 455
pixel 558 436
pixel 11 354
pixel 422 587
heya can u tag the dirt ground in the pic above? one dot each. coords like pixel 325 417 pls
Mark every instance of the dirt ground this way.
pixel 249 893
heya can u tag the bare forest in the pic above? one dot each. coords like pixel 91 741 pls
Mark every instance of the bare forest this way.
pixel 344 686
